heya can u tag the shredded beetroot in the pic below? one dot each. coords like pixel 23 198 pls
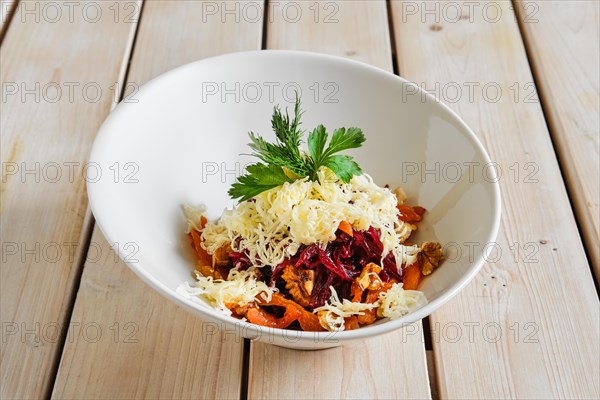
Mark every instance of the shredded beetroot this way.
pixel 321 291
pixel 306 255
pixel 338 264
pixel 240 260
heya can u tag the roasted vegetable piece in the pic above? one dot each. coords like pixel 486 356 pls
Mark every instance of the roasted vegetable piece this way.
pixel 356 292
pixel 308 321
pixel 372 296
pixel 369 316
pixel 346 227
pixel 209 270
pixel 351 323
pixel 221 256
pixel 411 276
pixel 410 214
pixel 195 236
pixel 259 316
pixel 204 265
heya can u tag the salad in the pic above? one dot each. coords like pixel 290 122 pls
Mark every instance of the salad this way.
pixel 313 244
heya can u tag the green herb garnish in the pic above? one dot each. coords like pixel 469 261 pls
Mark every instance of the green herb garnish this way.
pixel 284 161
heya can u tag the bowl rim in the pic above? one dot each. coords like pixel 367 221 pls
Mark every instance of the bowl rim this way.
pixel 249 328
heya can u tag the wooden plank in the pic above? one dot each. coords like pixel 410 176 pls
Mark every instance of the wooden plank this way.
pixel 56 86
pixel 528 325
pixel 390 366
pixel 358 30
pixel 567 76
pixel 161 350
pixel 126 341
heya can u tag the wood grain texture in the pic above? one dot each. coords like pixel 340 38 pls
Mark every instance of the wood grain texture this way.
pixel 172 353
pixel 393 365
pixel 528 325
pixel 354 29
pixel 128 342
pixel 46 139
pixel 569 84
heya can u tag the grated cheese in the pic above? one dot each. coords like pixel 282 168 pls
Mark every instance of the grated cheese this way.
pixel 240 288
pixel 193 215
pixel 337 310
pixel 275 225
pixel 397 302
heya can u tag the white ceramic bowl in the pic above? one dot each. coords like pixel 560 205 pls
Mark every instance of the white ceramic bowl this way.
pixel 179 139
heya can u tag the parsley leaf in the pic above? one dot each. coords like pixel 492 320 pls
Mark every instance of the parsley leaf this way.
pixel 316 143
pixel 284 161
pixel 260 178
pixel 343 139
pixel 343 166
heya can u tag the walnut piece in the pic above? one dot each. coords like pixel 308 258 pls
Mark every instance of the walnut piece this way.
pixel 300 283
pixel 369 279
pixel 430 257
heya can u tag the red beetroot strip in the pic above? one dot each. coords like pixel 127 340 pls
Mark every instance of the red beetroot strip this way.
pixel 337 265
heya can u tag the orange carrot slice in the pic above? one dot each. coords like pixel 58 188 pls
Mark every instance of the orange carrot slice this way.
pixel 356 292
pixel 410 214
pixel 308 321
pixel 203 257
pixel 259 316
pixel 411 276
pixel 351 323
pixel 346 227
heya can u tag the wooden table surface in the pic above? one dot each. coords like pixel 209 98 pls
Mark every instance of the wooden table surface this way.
pixel 76 322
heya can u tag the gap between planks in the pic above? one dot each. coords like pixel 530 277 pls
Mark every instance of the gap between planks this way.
pixel 7 9
pixel 28 366
pixel 510 291
pixel 563 106
pixel 284 373
pixel 90 222
pixel 167 368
